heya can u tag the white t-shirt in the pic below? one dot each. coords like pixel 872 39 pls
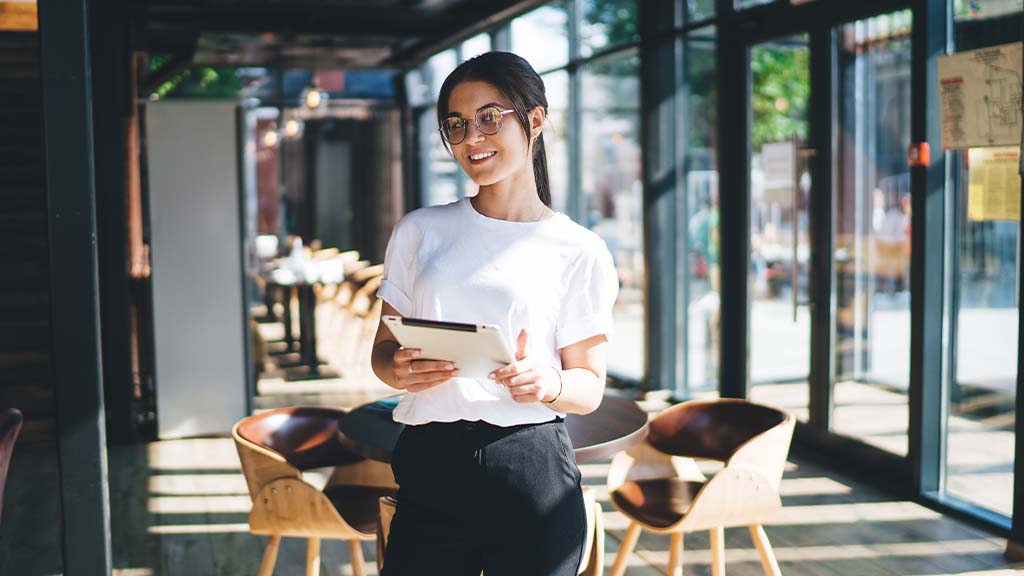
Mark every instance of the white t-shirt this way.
pixel 553 277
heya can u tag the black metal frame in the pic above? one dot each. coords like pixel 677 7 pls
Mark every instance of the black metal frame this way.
pixel 660 168
pixel 1015 546
pixel 916 476
pixel 244 233
pixel 111 76
pixel 733 186
pixel 74 286
pixel 928 227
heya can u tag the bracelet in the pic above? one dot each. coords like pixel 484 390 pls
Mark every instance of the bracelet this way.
pixel 557 396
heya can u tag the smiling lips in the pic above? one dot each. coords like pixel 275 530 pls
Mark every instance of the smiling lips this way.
pixel 481 157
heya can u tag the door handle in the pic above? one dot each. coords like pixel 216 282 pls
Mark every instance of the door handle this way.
pixel 799 155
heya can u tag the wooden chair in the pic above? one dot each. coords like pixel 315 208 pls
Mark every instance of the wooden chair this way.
pixel 10 425
pixel 274 448
pixel 364 274
pixel 657 485
pixel 363 315
pixel 593 551
pixel 337 306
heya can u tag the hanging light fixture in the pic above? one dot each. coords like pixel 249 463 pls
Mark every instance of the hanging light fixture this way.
pixel 293 129
pixel 270 138
pixel 312 96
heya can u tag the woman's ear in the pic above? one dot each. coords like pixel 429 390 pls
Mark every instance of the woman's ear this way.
pixel 537 117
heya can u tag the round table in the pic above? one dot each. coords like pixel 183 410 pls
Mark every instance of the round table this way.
pixel 617 424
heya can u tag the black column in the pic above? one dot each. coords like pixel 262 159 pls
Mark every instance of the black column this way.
pixel 734 199
pixel 1015 544
pixel 822 110
pixel 928 197
pixel 660 171
pixel 74 292
pixel 111 74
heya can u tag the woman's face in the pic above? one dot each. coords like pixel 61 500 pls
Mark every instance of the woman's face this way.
pixel 488 158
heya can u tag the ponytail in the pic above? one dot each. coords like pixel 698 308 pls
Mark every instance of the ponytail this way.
pixel 540 171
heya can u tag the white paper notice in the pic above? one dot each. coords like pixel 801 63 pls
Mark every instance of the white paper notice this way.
pixel 980 94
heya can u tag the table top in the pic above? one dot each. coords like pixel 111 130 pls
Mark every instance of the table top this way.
pixel 617 424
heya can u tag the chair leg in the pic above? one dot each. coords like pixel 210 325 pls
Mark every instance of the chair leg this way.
pixel 628 543
pixel 313 557
pixel 355 556
pixel 764 548
pixel 718 551
pixel 675 555
pixel 270 556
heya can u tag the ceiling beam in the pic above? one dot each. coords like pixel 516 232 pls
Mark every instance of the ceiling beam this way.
pixel 295 19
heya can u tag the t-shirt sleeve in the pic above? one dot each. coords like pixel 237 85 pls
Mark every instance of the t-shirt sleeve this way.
pixel 399 272
pixel 591 289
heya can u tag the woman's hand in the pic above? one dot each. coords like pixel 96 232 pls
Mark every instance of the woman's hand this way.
pixel 527 380
pixel 418 375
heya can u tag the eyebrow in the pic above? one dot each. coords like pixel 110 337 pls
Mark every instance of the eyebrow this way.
pixel 488 105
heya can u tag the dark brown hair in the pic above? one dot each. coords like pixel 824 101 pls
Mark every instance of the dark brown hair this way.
pixel 521 85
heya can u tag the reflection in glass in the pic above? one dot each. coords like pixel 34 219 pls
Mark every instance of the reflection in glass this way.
pixel 780 186
pixel 700 183
pixel 556 84
pixel 872 233
pixel 606 23
pixel 542 37
pixel 611 190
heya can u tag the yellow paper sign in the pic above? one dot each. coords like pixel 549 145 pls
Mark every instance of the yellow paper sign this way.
pixel 993 189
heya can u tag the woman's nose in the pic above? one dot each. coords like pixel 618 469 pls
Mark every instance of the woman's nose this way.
pixel 473 134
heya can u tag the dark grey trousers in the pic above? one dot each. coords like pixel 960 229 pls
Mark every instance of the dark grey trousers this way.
pixel 473 496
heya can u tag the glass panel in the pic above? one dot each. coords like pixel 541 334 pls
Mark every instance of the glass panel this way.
pixel 780 322
pixel 985 302
pixel 697 10
pixel 980 441
pixel 440 173
pixel 606 23
pixel 440 170
pixel 437 68
pixel 476 46
pixel 556 143
pixel 611 190
pixel 542 37
pixel 984 23
pixel 700 182
pixel 871 355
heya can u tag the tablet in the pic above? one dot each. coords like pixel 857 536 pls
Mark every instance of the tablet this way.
pixel 476 349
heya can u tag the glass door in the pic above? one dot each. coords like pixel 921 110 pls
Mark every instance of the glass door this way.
pixel 983 279
pixel 779 333
pixel 871 236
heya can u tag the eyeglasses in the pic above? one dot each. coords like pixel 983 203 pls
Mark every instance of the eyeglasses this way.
pixel 487 120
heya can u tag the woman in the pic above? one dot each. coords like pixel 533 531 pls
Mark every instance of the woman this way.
pixel 487 477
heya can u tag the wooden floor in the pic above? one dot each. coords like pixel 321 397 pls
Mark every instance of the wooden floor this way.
pixel 180 507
